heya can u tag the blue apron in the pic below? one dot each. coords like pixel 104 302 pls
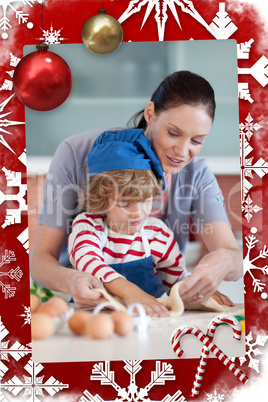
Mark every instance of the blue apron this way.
pixel 140 272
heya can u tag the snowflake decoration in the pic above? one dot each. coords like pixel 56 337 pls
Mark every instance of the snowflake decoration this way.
pixel 251 350
pixel 26 315
pixel 52 36
pixel 102 373
pixel 9 291
pixel 161 16
pixel 243 92
pixel 215 397
pixel 8 84
pixel 249 266
pixel 7 258
pixel 246 131
pixel 33 385
pixel 23 238
pixel 243 50
pixel 14 180
pixel 259 70
pixel 22 157
pixel 249 126
pixel 12 273
pixel 248 208
pixel 16 274
pixel 222 26
pixel 6 123
pixel 21 16
pixel 17 351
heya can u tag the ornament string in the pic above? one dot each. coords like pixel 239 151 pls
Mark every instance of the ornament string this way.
pixel 42 16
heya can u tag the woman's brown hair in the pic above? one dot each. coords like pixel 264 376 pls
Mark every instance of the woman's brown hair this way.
pixel 179 88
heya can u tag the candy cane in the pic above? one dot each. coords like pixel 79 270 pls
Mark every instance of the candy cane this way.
pixel 213 325
pixel 181 331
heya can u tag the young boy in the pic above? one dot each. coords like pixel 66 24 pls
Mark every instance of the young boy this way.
pixel 116 240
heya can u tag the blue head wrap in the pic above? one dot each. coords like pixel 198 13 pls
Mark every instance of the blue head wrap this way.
pixel 126 149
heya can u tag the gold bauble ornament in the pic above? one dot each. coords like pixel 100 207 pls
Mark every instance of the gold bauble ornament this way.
pixel 102 34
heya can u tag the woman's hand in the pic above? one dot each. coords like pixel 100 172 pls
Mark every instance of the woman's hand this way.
pixel 222 299
pixel 47 271
pixel 80 286
pixel 211 270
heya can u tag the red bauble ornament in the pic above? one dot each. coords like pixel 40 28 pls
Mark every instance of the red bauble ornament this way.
pixel 42 80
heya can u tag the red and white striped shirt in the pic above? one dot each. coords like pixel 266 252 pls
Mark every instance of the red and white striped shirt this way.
pixel 87 253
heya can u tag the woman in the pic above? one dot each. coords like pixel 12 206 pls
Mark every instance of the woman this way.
pixel 177 120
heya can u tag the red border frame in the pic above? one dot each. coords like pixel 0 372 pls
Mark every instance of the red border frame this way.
pixel 250 25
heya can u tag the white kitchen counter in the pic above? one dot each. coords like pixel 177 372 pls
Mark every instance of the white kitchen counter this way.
pixel 64 346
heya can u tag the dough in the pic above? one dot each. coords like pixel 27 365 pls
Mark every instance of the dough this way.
pixel 111 299
pixel 175 303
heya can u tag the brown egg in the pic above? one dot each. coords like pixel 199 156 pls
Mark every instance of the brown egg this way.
pixel 100 326
pixel 54 307
pixel 35 303
pixel 77 322
pixel 42 325
pixel 123 322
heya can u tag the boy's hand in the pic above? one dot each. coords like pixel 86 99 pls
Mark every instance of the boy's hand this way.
pixel 150 304
pixel 131 293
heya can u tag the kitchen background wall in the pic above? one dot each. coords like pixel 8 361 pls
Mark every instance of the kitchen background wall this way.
pixel 108 90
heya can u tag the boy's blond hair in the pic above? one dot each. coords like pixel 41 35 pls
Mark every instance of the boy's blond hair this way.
pixel 126 185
